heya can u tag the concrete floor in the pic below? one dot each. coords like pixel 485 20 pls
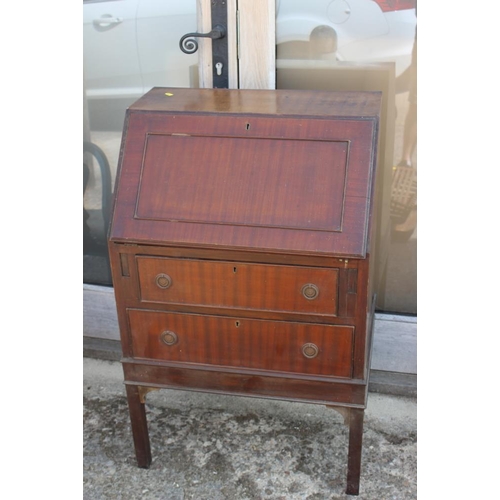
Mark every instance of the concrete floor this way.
pixel 218 447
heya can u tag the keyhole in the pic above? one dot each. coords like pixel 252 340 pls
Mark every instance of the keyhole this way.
pixel 237 324
pixel 234 269
pixel 248 126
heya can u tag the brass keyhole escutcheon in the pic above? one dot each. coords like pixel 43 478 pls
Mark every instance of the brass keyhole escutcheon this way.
pixel 310 350
pixel 310 291
pixel 169 338
pixel 163 280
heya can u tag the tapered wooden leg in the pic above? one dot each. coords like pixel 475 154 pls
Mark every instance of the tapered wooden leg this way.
pixel 140 433
pixel 354 458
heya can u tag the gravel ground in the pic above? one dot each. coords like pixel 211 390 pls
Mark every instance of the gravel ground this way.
pixel 218 447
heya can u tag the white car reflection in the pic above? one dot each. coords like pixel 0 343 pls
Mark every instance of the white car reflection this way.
pixel 131 46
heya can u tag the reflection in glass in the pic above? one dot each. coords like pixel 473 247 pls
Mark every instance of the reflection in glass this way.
pixel 365 45
pixel 128 48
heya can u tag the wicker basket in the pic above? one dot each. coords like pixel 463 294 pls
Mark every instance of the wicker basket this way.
pixel 403 193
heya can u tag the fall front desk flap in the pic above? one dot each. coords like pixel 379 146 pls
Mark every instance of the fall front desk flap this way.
pixel 267 170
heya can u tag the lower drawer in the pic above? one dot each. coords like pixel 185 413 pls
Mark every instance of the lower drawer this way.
pixel 279 346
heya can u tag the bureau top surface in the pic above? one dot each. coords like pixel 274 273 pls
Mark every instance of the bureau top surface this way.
pixel 273 171
pixel 261 102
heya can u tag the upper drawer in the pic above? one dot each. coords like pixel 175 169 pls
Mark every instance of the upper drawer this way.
pixel 237 285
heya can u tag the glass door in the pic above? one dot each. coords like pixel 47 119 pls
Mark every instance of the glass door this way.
pixel 367 45
pixel 129 46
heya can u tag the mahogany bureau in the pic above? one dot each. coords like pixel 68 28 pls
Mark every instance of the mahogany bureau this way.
pixel 240 248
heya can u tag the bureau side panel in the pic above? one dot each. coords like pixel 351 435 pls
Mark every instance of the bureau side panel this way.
pixel 363 308
pixel 125 289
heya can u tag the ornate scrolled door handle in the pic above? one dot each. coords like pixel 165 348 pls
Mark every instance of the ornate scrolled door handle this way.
pixel 189 45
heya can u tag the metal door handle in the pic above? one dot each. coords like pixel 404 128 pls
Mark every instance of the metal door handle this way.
pixel 220 57
pixel 107 22
pixel 189 45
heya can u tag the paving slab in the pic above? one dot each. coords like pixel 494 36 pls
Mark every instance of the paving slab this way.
pixel 213 447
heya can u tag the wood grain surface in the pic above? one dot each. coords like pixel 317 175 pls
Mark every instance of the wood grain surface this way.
pixel 276 177
pixel 239 248
pixel 239 285
pixel 250 343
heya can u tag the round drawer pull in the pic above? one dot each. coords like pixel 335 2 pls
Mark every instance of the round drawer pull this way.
pixel 163 280
pixel 310 291
pixel 169 338
pixel 310 350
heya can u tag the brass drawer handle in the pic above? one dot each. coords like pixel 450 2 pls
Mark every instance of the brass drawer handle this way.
pixel 163 280
pixel 310 291
pixel 310 350
pixel 169 338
